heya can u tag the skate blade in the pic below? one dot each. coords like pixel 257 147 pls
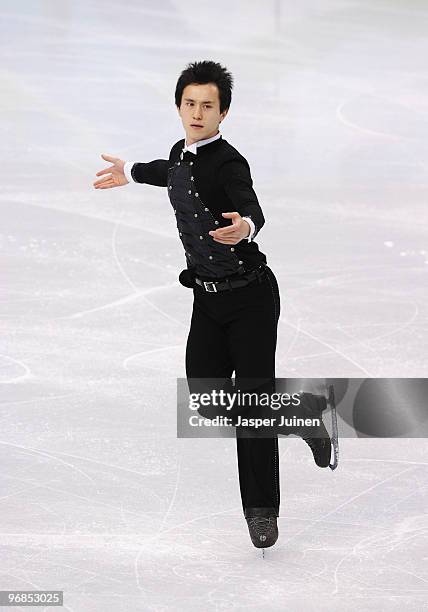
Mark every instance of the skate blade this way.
pixel 335 432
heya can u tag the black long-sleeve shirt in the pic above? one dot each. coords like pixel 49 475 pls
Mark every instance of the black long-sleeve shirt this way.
pixel 223 180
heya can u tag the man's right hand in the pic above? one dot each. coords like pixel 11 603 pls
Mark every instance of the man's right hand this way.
pixel 115 175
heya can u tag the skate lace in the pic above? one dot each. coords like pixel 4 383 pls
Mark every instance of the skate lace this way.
pixel 314 441
pixel 261 524
pixel 310 442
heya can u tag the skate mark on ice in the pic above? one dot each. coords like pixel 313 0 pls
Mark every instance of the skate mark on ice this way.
pixel 348 501
pixel 35 451
pixel 159 529
pixel 27 372
pixel 176 283
pixel 329 346
pixel 149 352
pixel 343 119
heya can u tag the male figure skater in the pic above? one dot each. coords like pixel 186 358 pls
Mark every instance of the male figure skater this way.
pixel 236 303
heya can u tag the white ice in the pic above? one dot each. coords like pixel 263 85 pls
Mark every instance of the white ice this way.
pixel 99 498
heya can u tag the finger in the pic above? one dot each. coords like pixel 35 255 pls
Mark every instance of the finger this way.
pixel 105 186
pixel 103 180
pixel 227 230
pixel 226 240
pixel 105 171
pixel 109 158
pixel 228 236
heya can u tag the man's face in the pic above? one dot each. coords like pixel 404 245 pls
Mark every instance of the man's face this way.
pixel 200 106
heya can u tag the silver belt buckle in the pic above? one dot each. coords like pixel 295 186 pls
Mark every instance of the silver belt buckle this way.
pixel 206 283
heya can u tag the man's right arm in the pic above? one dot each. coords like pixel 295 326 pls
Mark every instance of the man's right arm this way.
pixel 122 173
pixel 151 173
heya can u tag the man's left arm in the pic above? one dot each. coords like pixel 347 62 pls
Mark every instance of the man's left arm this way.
pixel 235 178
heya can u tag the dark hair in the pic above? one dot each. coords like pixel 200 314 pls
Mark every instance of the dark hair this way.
pixel 206 72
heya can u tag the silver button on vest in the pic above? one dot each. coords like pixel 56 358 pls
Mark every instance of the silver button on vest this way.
pixel 205 256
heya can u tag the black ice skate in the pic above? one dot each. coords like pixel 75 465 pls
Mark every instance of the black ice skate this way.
pixel 262 525
pixel 317 436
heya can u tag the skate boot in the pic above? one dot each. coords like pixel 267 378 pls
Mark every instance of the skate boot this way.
pixel 320 446
pixel 262 526
pixel 317 436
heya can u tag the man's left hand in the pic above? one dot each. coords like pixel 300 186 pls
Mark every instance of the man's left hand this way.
pixel 232 234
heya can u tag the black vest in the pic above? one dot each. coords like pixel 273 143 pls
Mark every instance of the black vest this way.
pixel 205 257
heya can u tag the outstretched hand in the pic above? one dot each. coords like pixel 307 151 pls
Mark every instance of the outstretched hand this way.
pixel 232 234
pixel 114 175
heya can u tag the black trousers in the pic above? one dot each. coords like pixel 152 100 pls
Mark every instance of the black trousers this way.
pixel 237 331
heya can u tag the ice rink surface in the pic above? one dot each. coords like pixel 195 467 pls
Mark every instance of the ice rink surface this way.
pixel 99 498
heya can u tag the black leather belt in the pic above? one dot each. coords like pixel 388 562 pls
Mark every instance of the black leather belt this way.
pixel 233 283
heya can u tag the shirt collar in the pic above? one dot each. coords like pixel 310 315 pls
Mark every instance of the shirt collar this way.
pixel 199 143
